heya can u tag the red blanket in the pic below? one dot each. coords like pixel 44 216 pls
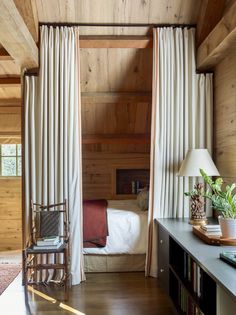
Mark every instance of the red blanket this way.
pixel 95 229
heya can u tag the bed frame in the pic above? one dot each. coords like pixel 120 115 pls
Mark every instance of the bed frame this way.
pixel 114 263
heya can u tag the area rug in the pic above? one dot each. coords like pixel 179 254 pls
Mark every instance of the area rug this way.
pixel 8 272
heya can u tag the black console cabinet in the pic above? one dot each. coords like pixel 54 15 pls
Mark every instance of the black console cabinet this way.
pixel 197 281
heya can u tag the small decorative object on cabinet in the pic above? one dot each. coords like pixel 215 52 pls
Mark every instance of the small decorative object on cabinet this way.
pixel 224 201
pixel 190 167
pixel 49 237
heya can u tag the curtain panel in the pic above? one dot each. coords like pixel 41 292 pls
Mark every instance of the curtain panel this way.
pixel 181 120
pixel 53 133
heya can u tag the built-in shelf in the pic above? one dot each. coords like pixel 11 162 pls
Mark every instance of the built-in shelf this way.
pixel 130 181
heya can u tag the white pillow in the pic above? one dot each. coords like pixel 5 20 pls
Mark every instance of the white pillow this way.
pixel 143 199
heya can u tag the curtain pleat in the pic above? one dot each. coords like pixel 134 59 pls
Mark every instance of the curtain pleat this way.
pixel 181 120
pixel 53 134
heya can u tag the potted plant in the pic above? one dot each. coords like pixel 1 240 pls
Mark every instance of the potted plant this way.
pixel 224 201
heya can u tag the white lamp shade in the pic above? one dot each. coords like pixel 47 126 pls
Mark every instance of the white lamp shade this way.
pixel 196 159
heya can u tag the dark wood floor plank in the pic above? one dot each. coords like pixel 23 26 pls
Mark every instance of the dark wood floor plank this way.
pixel 101 294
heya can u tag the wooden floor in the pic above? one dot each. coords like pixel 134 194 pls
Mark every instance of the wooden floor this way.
pixel 101 294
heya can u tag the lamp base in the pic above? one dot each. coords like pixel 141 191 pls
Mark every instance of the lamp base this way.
pixel 198 221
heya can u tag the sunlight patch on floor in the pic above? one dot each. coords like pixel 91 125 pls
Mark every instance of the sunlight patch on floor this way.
pixel 50 299
pixel 71 309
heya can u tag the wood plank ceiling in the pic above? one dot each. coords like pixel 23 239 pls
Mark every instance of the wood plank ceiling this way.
pixel 93 11
pixel 107 11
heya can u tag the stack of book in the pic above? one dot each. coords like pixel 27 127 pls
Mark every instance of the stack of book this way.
pixel 135 184
pixel 211 229
pixel 50 242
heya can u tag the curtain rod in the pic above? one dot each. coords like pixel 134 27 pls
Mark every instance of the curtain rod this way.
pixel 118 25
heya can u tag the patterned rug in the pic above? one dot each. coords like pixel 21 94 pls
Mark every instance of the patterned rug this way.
pixel 8 272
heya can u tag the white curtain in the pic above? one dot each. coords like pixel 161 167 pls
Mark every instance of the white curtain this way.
pixel 181 120
pixel 53 133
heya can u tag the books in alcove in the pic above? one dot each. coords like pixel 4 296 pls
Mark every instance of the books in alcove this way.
pixel 186 304
pixel 135 186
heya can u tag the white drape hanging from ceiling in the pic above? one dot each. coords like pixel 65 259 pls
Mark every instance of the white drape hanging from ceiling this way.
pixel 181 120
pixel 53 133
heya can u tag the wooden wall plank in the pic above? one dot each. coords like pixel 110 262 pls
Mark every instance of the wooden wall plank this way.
pixel 10 81
pixel 116 70
pixel 225 117
pixel 9 68
pixel 10 92
pixel 115 97
pixel 10 102
pixel 10 213
pixel 116 118
pixel 116 138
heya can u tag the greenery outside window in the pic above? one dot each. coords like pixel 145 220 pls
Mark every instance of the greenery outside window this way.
pixel 10 160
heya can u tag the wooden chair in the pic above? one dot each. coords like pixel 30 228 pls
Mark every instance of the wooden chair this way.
pixel 47 221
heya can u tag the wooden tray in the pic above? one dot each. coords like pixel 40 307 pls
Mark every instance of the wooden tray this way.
pixel 212 239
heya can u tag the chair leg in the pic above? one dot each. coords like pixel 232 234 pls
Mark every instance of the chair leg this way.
pixel 25 276
pixel 66 281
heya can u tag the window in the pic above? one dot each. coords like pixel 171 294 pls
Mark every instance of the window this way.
pixel 10 159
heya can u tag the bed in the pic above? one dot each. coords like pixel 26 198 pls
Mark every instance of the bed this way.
pixel 125 248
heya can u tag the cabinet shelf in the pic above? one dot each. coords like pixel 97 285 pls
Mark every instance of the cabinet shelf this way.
pixel 196 300
pixel 191 289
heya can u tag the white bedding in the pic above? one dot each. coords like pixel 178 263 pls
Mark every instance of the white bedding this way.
pixel 127 226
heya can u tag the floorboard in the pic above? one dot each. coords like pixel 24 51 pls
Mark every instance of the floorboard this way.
pixel 101 294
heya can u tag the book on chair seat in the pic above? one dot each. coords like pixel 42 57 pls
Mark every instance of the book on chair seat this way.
pixel 48 241
pixel 48 246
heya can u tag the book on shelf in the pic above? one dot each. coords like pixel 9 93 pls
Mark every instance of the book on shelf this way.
pixel 58 245
pixel 49 240
pixel 135 184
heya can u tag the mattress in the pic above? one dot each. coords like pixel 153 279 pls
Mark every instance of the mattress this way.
pixel 127 226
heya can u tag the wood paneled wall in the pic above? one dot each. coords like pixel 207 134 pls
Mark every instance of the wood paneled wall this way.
pixel 116 69
pixel 10 188
pixel 225 117
pixel 99 170
pixel 10 124
pixel 116 109
pixel 10 213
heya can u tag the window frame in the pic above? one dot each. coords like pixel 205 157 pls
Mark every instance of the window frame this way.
pixel 17 157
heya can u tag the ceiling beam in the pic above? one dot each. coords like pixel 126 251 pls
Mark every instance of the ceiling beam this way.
pixel 219 42
pixel 210 14
pixel 100 41
pixel 10 82
pixel 15 36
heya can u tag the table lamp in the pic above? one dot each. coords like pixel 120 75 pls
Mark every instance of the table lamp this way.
pixel 195 160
